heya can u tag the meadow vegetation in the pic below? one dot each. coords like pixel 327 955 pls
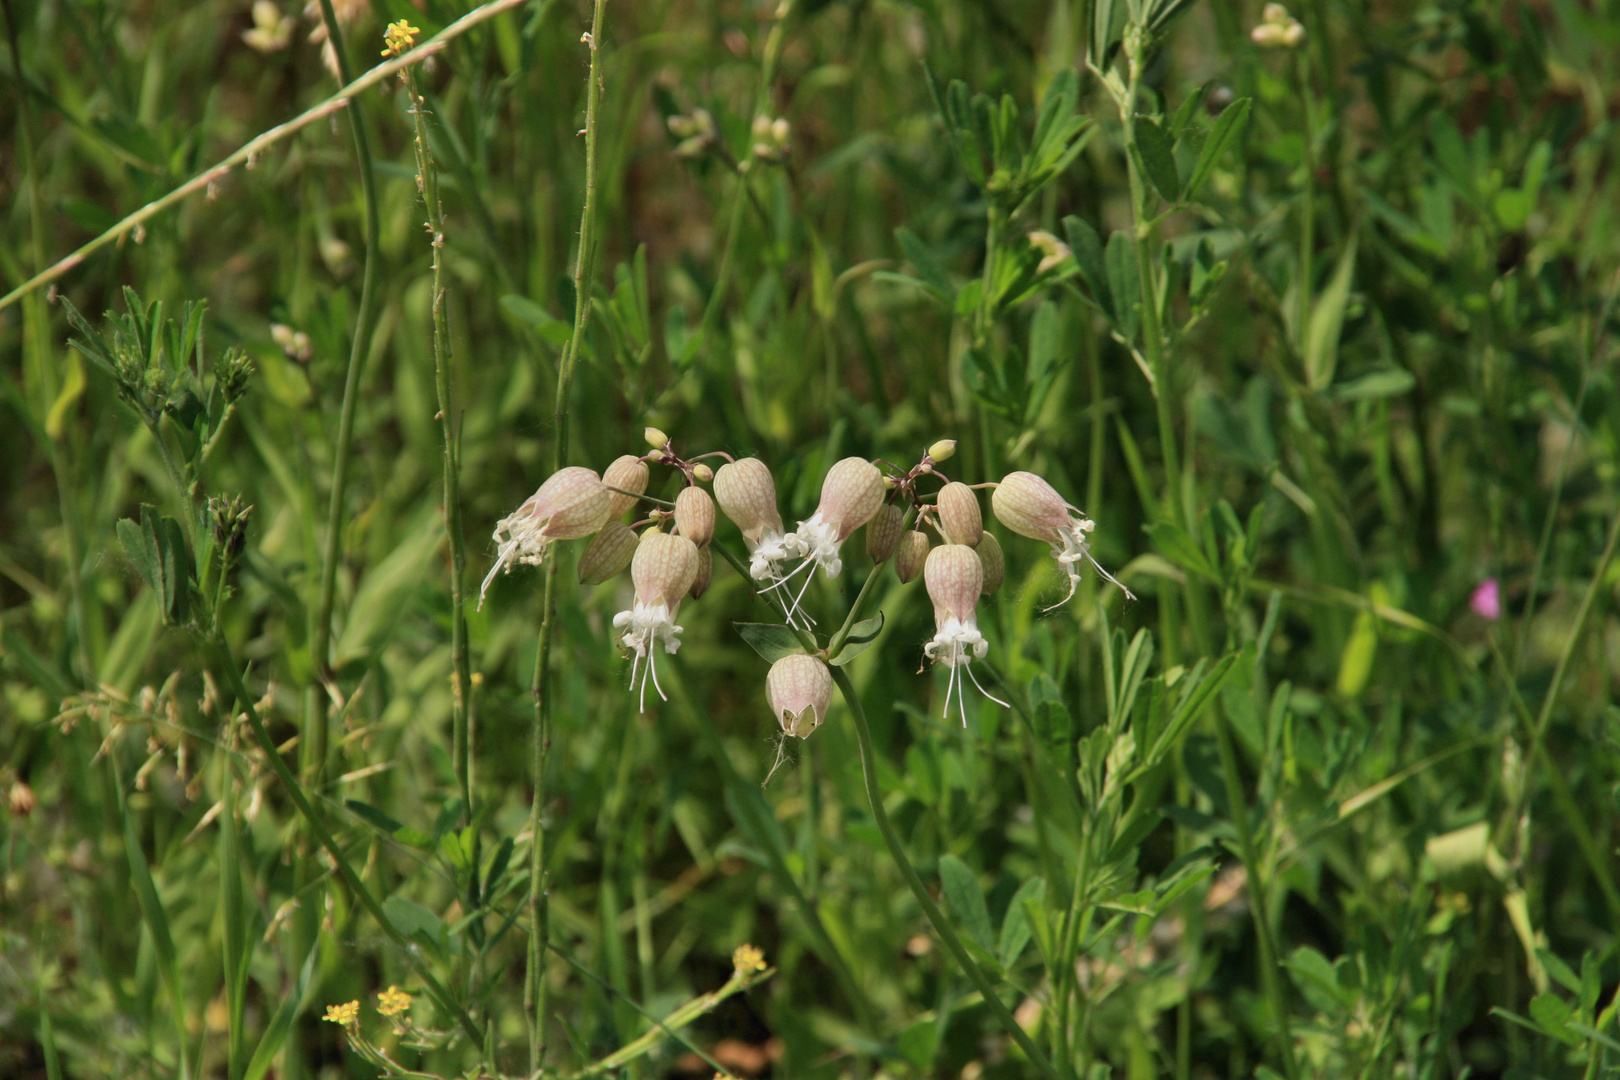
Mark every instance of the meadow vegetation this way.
pixel 803 725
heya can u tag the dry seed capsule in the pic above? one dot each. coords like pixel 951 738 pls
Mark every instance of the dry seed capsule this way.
pixel 959 519
pixel 993 561
pixel 883 532
pixel 608 553
pixel 694 515
pixel 799 689
pixel 910 555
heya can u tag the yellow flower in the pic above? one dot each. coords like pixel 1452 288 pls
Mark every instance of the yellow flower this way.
pixel 398 38
pixel 748 959
pixel 393 1001
pixel 344 1014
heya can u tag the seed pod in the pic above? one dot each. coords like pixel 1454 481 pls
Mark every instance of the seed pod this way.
pixel 608 553
pixel 954 578
pixel 959 519
pixel 910 555
pixel 663 568
pixel 705 573
pixel 942 449
pixel 883 532
pixel 850 495
pixel 747 493
pixel 694 515
pixel 799 689
pixel 993 562
pixel 1029 506
pixel 630 474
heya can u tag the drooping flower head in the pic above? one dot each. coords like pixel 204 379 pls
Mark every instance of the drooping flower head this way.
pixel 960 521
pixel 799 689
pixel 663 569
pixel 1031 507
pixel 608 553
pixel 571 504
pixel 850 495
pixel 883 532
pixel 746 492
pixel 627 473
pixel 910 554
pixel 954 577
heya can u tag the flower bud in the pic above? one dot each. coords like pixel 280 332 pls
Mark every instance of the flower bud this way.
pixel 883 532
pixel 799 689
pixel 954 578
pixel 910 555
pixel 655 438
pixel 747 493
pixel 608 553
pixel 703 472
pixel 1029 506
pixel 628 473
pixel 942 450
pixel 959 519
pixel 993 562
pixel 705 573
pixel 694 515
pixel 663 568
pixel 851 494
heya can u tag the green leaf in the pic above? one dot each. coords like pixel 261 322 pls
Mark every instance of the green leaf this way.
pixel 928 268
pixel 861 637
pixel 550 328
pixel 1227 129
pixel 373 816
pixel 1327 321
pixel 1124 282
pixel 1177 545
pixel 1015 926
pixel 140 547
pixel 1551 1013
pixel 1088 256
pixel 275 1033
pixel 966 900
pixel 416 922
pixel 385 592
pixel 771 640
pixel 1391 382
pixel 1157 159
pixel 238 946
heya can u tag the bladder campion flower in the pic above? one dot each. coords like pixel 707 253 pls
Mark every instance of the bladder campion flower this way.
pixel 398 38
pixel 393 1001
pixel 883 532
pixel 663 569
pixel 627 473
pixel 993 561
pixel 954 577
pixel 960 521
pixel 694 515
pixel 799 689
pixel 910 554
pixel 748 960
pixel 346 1014
pixel 1031 507
pixel 570 505
pixel 746 492
pixel 608 553
pixel 851 493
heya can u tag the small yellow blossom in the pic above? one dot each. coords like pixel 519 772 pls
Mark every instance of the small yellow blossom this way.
pixel 748 959
pixel 398 38
pixel 344 1014
pixel 393 1001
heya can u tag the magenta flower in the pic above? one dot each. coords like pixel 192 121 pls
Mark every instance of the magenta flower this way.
pixel 1486 600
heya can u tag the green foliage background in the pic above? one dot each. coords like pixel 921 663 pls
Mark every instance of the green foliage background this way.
pixel 1387 372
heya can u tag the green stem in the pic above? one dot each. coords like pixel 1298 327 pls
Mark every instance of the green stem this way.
pixel 534 989
pixel 1258 883
pixel 953 944
pixel 427 172
pixel 226 666
pixel 1307 216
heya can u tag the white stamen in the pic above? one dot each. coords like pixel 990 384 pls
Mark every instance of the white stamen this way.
pixel 649 626
pixel 956 644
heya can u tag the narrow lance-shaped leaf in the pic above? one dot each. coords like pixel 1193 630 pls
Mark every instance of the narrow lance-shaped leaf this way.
pixel 1227 129
pixel 1157 159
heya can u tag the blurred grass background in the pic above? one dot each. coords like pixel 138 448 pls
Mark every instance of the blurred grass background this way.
pixel 1435 853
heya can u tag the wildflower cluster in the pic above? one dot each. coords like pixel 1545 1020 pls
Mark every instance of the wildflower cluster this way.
pixel 1277 29
pixel 670 561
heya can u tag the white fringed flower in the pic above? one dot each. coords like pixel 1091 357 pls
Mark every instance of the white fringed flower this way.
pixel 954 576
pixel 850 495
pixel 571 504
pixel 663 570
pixel 1031 507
